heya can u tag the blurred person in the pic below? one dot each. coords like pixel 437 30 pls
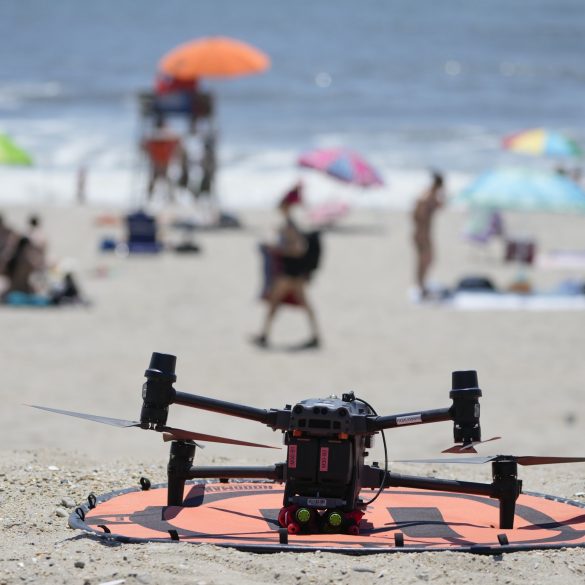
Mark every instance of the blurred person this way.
pixel 8 240
pixel 36 234
pixel 162 147
pixel 183 96
pixel 66 291
pixel 424 211
pixel 25 262
pixel 165 84
pixel 291 280
pixel 208 164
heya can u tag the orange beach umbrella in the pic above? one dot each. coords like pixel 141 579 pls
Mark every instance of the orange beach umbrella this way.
pixel 213 57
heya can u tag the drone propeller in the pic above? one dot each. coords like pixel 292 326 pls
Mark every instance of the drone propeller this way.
pixel 468 447
pixel 521 460
pixel 115 422
pixel 169 433
pixel 172 434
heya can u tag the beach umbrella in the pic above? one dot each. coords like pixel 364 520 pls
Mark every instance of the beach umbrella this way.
pixel 342 164
pixel 539 141
pixel 11 154
pixel 524 190
pixel 213 57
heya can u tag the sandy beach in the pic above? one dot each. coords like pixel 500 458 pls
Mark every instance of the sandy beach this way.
pixel 202 308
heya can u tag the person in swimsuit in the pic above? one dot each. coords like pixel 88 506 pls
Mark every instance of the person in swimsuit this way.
pixel 424 211
pixel 291 281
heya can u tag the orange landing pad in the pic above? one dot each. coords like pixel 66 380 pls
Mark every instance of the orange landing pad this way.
pixel 243 515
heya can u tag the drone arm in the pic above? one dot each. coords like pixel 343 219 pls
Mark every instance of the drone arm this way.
pixel 445 485
pixel 223 407
pixel 273 472
pixel 464 412
pixel 410 418
pixel 180 468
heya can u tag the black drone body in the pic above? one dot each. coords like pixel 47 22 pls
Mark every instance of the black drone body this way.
pixel 327 442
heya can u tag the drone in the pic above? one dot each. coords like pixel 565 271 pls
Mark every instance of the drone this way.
pixel 327 441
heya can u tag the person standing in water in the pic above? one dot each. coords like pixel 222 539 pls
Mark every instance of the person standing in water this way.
pixel 291 280
pixel 424 211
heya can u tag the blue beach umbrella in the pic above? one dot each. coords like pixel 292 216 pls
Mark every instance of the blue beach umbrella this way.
pixel 524 190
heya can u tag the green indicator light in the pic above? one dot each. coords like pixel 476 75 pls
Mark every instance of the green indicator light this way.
pixel 303 515
pixel 335 519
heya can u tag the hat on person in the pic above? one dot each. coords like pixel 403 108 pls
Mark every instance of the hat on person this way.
pixel 294 196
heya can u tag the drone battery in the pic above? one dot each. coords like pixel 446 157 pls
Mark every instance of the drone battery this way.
pixel 302 461
pixel 335 462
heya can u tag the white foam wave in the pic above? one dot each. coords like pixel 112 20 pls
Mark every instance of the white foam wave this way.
pixel 12 95
pixel 249 184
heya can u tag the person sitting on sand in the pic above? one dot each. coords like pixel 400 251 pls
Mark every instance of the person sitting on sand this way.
pixel 26 261
pixel 37 235
pixel 424 211
pixel 8 241
pixel 292 279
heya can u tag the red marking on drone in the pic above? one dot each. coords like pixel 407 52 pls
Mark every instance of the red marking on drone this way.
pixel 292 456
pixel 324 459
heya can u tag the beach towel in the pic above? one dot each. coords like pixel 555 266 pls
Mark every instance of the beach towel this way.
pixel 469 301
pixel 22 299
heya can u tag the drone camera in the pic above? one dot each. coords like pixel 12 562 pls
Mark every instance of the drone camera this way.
pixel 158 392
pixel 329 416
pixel 465 394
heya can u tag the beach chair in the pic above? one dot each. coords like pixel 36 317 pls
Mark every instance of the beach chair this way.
pixel 142 234
pixel 521 251
pixel 483 225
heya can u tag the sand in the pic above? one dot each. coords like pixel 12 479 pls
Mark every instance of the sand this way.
pixel 396 354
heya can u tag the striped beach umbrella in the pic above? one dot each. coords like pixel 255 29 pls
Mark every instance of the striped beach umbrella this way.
pixel 539 141
pixel 342 164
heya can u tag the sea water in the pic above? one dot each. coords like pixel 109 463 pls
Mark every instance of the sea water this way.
pixel 412 85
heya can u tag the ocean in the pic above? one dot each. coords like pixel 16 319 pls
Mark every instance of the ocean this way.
pixel 411 85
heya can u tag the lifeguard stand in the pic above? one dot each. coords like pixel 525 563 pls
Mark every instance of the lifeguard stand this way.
pixel 194 110
pixel 194 149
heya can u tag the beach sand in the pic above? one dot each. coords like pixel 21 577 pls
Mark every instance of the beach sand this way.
pixel 202 308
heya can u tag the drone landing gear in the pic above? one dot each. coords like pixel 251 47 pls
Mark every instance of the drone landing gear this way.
pixel 300 519
pixel 180 463
pixel 505 486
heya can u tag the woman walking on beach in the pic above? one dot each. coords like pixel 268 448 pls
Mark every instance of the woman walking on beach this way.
pixel 424 211
pixel 290 282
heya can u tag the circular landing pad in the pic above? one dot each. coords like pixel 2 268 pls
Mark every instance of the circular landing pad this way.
pixel 243 515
